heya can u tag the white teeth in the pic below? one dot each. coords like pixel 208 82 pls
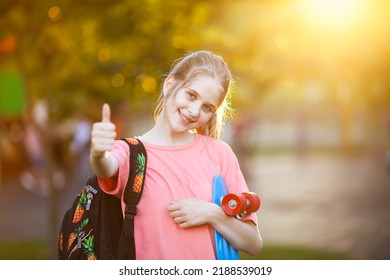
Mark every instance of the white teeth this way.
pixel 184 118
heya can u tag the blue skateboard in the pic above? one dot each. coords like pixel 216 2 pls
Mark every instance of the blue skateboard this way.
pixel 223 249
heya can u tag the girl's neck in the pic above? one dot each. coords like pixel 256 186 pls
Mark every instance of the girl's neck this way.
pixel 161 136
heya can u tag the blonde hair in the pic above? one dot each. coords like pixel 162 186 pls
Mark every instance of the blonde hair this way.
pixel 185 69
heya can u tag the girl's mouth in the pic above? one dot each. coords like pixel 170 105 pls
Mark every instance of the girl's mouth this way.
pixel 184 118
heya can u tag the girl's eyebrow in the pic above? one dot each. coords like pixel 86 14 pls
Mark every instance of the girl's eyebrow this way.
pixel 193 91
pixel 196 93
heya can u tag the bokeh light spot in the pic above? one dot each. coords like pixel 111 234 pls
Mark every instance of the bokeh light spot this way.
pixel 179 42
pixel 118 80
pixel 54 13
pixel 104 55
pixel 148 83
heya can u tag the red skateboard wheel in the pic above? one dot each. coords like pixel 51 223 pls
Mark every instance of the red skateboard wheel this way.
pixel 234 204
pixel 253 201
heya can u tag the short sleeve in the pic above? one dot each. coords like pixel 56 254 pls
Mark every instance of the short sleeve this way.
pixel 115 185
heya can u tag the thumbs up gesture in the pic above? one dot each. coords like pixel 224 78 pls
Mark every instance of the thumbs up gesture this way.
pixel 103 134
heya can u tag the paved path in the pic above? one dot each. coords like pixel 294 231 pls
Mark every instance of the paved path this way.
pixel 329 202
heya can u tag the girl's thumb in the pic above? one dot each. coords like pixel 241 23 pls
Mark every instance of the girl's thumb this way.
pixel 106 113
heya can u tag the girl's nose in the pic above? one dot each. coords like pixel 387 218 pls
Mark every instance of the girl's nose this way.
pixel 194 109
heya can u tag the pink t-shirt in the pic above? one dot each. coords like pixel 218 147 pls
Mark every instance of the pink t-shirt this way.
pixel 173 173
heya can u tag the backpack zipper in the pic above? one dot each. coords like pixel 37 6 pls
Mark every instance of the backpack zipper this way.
pixel 79 238
pixel 90 192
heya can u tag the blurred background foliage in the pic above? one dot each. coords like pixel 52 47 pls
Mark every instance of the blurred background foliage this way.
pixel 61 60
pixel 284 52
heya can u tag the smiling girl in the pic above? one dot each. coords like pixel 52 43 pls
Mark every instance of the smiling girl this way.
pixel 176 217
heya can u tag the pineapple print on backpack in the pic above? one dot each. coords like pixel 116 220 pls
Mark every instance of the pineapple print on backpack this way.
pixel 140 167
pixel 88 248
pixel 78 233
pixel 81 205
pixel 140 173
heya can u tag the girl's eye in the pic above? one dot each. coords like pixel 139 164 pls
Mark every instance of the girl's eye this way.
pixel 207 108
pixel 191 95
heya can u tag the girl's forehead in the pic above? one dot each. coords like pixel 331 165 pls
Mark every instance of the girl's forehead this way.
pixel 207 87
pixel 203 81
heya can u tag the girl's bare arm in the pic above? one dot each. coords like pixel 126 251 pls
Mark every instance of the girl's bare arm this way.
pixel 243 236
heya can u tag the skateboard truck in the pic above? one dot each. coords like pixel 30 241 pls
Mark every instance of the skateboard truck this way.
pixel 240 204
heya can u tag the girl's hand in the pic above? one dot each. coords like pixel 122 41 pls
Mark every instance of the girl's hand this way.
pixel 192 212
pixel 243 236
pixel 103 134
pixel 102 140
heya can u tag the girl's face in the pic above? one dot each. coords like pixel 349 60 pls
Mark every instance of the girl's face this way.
pixel 192 106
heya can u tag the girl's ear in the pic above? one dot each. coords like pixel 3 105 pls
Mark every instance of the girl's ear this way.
pixel 168 84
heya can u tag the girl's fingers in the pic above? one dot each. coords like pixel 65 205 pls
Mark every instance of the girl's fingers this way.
pixel 97 134
pixel 103 126
pixel 173 206
pixel 178 220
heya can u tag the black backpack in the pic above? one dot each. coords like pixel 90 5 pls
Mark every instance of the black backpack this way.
pixel 94 227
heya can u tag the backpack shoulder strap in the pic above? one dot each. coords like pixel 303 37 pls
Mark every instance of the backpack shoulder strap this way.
pixel 136 180
pixel 132 195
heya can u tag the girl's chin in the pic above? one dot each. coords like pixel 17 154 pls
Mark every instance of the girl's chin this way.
pixel 181 129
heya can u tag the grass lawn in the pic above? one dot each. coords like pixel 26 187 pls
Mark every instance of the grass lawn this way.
pixel 289 252
pixel 23 250
pixel 37 250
